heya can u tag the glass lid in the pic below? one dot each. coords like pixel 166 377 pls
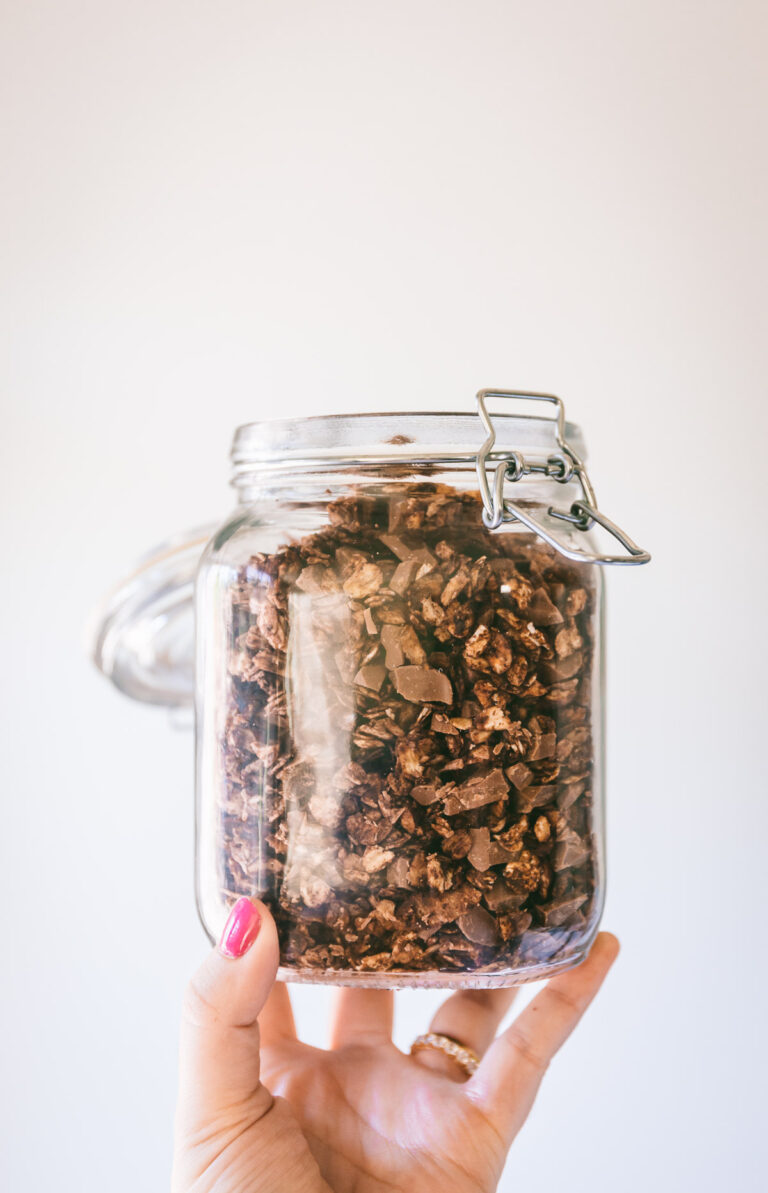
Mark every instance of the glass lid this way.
pixel 142 637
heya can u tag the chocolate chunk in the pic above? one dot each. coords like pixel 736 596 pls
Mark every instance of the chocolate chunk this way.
pixel 424 560
pixel 562 669
pixel 422 685
pixel 425 794
pixel 543 747
pixel 410 645
pixel 519 775
pixel 476 793
pixel 502 897
pixel 402 577
pixel 541 611
pixel 390 640
pixel 479 927
pixel 570 850
pixel 534 797
pixel 480 850
pixel 560 911
pixel 569 792
pixel 396 545
pixel 371 676
pixel 499 855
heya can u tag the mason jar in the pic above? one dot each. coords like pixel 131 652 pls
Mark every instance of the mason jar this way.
pixel 398 678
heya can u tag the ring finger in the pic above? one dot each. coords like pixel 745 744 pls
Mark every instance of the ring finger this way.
pixel 472 1018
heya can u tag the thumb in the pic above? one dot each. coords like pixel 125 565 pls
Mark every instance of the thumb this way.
pixel 219 1057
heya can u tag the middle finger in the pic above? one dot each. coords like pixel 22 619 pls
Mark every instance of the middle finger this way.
pixel 362 1017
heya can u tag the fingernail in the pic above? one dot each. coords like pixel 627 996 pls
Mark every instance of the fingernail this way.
pixel 241 929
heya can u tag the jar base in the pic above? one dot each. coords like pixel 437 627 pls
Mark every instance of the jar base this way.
pixel 414 980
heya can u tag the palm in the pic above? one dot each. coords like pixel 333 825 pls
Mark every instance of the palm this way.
pixel 375 1119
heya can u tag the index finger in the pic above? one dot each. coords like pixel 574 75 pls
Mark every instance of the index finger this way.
pixel 510 1073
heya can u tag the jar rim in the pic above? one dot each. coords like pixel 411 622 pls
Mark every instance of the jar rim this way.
pixel 378 438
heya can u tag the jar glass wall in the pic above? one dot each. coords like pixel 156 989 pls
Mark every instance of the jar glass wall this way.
pixel 399 730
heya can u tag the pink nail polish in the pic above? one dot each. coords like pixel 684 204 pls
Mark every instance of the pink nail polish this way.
pixel 240 930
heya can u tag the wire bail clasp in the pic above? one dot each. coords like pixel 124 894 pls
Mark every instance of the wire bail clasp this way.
pixel 562 465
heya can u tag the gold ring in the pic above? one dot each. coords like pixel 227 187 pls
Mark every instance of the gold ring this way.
pixel 464 1057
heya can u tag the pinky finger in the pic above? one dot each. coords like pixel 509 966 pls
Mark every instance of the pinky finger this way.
pixel 509 1076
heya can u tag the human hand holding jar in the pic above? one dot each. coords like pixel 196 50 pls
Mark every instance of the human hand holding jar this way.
pixel 259 1110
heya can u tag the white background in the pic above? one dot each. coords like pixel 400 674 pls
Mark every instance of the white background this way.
pixel 218 212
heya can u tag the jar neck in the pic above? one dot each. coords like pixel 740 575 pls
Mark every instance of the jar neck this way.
pixel 424 446
pixel 254 485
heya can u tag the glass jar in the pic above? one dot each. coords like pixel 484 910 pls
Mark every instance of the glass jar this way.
pixel 398 685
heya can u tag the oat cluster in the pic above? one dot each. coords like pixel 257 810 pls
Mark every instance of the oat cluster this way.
pixel 406 750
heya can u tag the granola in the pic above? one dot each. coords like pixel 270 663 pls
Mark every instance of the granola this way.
pixel 407 751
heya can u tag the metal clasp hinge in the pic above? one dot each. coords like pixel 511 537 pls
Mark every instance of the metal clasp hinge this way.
pixel 562 465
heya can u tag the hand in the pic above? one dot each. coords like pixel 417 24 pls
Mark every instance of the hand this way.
pixel 261 1112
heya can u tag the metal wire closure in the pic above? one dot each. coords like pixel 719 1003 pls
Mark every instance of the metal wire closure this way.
pixel 562 466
